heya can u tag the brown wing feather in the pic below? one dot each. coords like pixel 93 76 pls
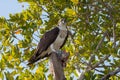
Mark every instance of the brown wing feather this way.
pixel 47 39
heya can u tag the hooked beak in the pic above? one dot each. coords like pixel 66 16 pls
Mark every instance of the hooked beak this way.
pixel 63 20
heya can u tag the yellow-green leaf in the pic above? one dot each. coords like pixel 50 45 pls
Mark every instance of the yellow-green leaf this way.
pixel 70 12
pixel 75 1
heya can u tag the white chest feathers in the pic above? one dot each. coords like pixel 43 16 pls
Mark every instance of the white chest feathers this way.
pixel 60 39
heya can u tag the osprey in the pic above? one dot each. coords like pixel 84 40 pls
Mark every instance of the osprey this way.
pixel 51 41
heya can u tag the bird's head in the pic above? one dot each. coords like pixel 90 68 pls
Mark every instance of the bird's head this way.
pixel 62 22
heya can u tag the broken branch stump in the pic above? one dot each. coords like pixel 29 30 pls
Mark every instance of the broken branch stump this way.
pixel 57 65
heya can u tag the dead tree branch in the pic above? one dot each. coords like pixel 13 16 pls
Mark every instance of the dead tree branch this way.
pixel 57 67
pixel 58 62
pixel 111 74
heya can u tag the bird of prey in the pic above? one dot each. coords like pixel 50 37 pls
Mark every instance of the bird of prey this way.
pixel 51 41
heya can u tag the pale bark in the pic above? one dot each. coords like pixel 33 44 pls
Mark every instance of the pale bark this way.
pixel 58 71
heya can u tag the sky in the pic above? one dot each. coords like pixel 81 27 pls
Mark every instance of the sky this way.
pixel 11 6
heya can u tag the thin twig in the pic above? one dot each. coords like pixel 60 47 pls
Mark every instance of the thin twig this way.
pixel 88 68
pixel 35 39
pixel 104 66
pixel 42 7
pixel 114 35
pixel 98 46
pixel 101 61
pixel 111 10
pixel 100 42
pixel 99 71
pixel 36 35
pixel 111 74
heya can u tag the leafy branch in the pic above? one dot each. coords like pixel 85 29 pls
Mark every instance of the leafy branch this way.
pixel 107 76
pixel 89 65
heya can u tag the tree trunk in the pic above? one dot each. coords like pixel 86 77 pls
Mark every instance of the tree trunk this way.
pixel 58 71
